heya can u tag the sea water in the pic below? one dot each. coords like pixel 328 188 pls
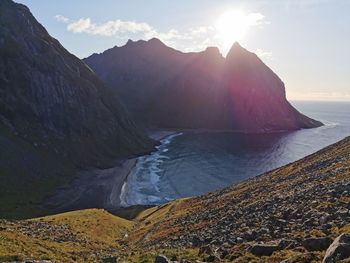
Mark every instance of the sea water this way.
pixel 190 163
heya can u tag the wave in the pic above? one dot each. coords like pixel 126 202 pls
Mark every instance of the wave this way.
pixel 142 185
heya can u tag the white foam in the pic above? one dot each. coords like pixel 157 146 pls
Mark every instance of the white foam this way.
pixel 142 185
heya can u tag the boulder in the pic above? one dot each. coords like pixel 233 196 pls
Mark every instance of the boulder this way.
pixel 287 244
pixel 263 249
pixel 338 250
pixel 317 244
pixel 221 252
pixel 205 250
pixel 211 258
pixel 162 259
pixel 110 260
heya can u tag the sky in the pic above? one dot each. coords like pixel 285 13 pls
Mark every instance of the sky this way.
pixel 305 42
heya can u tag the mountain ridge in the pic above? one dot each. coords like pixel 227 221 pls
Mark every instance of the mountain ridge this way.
pixel 59 93
pixel 166 88
pixel 56 115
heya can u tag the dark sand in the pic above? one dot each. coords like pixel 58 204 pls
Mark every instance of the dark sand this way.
pixel 97 188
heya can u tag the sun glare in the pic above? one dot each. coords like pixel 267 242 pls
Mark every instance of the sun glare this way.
pixel 233 25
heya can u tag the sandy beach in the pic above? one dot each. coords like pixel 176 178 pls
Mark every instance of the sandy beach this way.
pixel 97 188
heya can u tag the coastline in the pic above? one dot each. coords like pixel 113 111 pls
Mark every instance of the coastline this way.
pixel 157 135
pixel 98 188
pixel 103 188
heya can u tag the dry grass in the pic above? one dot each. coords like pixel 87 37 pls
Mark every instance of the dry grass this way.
pixel 97 233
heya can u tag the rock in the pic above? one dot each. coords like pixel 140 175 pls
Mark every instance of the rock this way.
pixel 305 257
pixel 221 252
pixel 174 258
pixel 196 241
pixel 205 250
pixel 323 220
pixel 263 249
pixel 287 244
pixel 239 240
pixel 338 250
pixel 211 258
pixel 317 244
pixel 162 259
pixel 110 260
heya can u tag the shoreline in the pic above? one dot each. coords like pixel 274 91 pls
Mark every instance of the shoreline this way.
pixel 98 188
pixel 102 188
pixel 157 135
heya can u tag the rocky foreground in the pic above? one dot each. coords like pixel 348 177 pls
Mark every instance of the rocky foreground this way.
pixel 297 213
pixel 299 208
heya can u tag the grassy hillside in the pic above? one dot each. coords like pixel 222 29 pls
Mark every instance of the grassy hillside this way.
pixel 306 199
pixel 286 209
pixel 84 235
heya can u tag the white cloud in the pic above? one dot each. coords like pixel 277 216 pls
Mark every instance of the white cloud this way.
pixel 200 30
pixel 192 39
pixel 254 19
pixel 125 29
pixel 110 28
pixel 61 18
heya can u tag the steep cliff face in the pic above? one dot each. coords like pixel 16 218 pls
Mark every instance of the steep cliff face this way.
pixel 166 88
pixel 52 99
pixel 257 95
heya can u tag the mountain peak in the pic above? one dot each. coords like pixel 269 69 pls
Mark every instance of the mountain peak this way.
pixel 213 53
pixel 196 87
pixel 151 42
pixel 236 45
pixel 155 40
pixel 236 49
pixel 130 41
pixel 212 50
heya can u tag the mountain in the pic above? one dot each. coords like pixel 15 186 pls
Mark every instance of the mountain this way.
pixel 54 111
pixel 165 88
pixel 291 214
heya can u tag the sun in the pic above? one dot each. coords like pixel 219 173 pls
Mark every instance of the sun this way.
pixel 233 25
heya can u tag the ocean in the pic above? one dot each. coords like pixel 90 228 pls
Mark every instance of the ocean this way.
pixel 189 164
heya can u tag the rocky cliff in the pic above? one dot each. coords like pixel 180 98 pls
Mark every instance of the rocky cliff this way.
pixel 55 113
pixel 48 95
pixel 166 88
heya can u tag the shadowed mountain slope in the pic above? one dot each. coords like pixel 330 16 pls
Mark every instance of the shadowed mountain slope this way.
pixel 166 88
pixel 55 113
